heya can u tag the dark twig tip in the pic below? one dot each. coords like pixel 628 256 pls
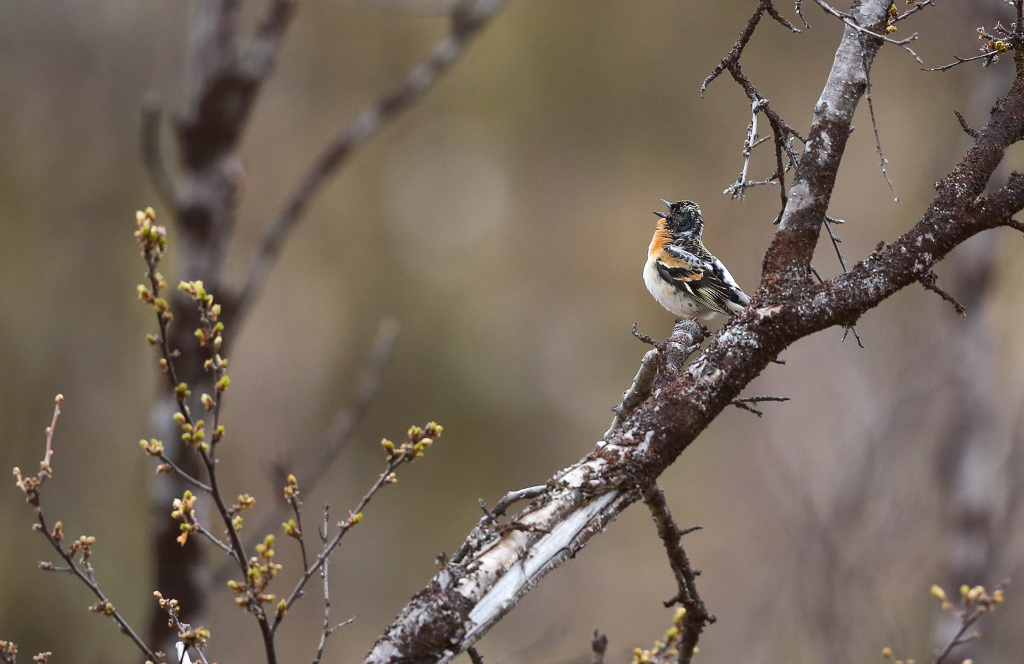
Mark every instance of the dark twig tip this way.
pixel 930 281
pixel 973 133
pixel 599 644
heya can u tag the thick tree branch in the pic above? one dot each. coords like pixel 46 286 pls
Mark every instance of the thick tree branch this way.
pixel 789 256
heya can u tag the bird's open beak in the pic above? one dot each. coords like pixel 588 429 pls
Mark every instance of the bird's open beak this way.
pixel 661 214
pixel 667 204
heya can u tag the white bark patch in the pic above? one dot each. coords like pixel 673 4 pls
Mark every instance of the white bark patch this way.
pixel 767 312
pixel 522 571
pixel 799 198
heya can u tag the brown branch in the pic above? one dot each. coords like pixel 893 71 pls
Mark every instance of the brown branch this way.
pixel 697 615
pixel 882 161
pixel 468 19
pixel 988 57
pixel 963 124
pixel 744 403
pixel 782 132
pixel 930 281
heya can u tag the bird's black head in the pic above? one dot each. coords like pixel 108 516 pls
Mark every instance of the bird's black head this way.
pixel 683 218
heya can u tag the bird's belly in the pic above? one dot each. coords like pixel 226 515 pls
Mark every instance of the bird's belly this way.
pixel 672 299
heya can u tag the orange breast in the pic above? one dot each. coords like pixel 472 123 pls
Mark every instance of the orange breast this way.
pixel 661 238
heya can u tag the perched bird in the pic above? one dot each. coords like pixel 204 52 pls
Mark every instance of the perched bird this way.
pixel 682 275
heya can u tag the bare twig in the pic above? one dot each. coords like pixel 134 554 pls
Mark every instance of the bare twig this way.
pixel 647 339
pixel 988 57
pixel 835 240
pixel 963 124
pixel 835 243
pixel 697 615
pixel 638 391
pixel 327 629
pixel 31 486
pixel 472 16
pixel 918 6
pixel 930 281
pixel 474 656
pixel 739 188
pixel 743 403
pixel 782 132
pixel 882 161
pixel 512 497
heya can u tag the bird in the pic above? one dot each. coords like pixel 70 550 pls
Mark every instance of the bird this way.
pixel 682 275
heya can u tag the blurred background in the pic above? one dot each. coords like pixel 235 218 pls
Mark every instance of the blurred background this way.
pixel 503 222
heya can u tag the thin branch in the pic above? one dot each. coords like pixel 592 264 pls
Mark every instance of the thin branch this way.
pixel 471 18
pixel 963 124
pixel 638 391
pixel 513 497
pixel 327 629
pixel 882 161
pixel 85 573
pixel 739 188
pixel 781 131
pixel 213 538
pixel 743 403
pixel 930 282
pixel 798 7
pixel 989 57
pixel 182 474
pixel 295 505
pixel 835 239
pixel 474 656
pixel 918 6
pixel 697 615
